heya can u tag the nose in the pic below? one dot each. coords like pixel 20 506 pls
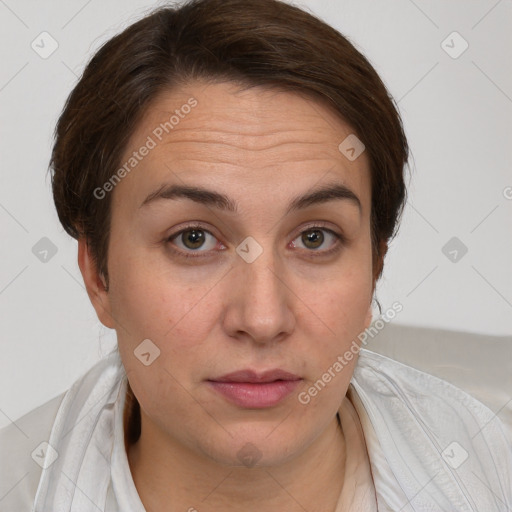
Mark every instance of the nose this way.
pixel 259 300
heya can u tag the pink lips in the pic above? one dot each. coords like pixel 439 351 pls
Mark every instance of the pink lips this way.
pixel 254 390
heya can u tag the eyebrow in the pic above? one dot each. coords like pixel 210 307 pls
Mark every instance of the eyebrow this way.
pixel 329 192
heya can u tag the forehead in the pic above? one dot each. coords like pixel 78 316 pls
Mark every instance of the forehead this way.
pixel 263 141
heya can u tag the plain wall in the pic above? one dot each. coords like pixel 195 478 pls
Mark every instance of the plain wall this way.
pixel 456 113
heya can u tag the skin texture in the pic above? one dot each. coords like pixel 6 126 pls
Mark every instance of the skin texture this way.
pixel 216 314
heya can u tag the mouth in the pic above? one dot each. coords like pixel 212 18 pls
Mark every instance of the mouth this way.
pixel 252 390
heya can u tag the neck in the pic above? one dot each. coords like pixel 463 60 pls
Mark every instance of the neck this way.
pixel 169 477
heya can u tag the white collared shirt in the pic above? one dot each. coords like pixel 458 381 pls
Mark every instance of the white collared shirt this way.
pixel 430 447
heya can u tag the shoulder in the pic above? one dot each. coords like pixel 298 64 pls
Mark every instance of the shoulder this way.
pixel 22 450
pixel 396 391
pixel 432 431
pixel 33 446
pixel 384 377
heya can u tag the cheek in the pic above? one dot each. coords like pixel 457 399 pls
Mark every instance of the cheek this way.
pixel 174 318
pixel 331 357
pixel 151 303
pixel 342 300
pixel 155 300
pixel 333 320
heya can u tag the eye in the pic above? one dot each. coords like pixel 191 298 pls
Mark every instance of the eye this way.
pixel 195 241
pixel 314 237
pixel 193 238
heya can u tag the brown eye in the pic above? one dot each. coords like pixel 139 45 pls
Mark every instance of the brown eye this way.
pixel 193 239
pixel 313 238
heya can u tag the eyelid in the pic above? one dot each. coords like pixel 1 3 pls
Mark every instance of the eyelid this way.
pixel 320 224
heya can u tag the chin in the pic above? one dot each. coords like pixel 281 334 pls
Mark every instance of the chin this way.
pixel 256 447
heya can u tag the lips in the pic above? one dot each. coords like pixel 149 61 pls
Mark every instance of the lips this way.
pixel 252 376
pixel 254 390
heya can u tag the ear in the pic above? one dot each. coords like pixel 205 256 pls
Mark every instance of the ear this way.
pixel 369 317
pixel 378 266
pixel 94 284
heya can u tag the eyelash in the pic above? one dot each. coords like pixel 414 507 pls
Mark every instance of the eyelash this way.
pixel 340 241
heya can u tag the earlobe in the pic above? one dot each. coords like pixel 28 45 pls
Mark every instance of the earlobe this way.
pixel 94 284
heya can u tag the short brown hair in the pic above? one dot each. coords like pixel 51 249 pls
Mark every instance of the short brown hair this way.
pixel 251 42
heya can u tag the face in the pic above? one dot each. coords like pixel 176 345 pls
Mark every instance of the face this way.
pixel 233 272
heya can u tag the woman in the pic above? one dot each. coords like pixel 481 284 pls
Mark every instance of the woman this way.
pixel 233 173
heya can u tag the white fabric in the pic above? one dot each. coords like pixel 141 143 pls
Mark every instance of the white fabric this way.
pixel 479 364
pixel 408 419
pixel 358 492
